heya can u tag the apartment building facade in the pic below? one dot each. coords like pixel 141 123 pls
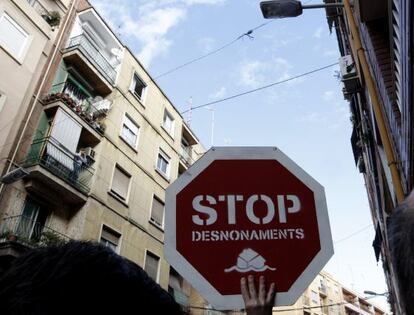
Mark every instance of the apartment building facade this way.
pixel 375 42
pixel 29 30
pixel 326 296
pixel 103 143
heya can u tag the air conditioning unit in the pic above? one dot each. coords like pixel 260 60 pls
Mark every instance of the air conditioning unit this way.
pixel 89 152
pixel 349 75
pixel 101 107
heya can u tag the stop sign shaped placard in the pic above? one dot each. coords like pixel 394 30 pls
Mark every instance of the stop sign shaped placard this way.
pixel 246 210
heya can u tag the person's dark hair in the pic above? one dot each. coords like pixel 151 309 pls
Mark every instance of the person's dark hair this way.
pixel 401 240
pixel 80 278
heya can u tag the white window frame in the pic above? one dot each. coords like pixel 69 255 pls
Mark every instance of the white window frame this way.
pixel 3 98
pixel 159 263
pixel 114 193
pixel 163 212
pixel 118 247
pixel 171 118
pixel 166 157
pixel 132 87
pixel 127 117
pixel 24 45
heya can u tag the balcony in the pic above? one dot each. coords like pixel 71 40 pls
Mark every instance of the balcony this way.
pixel 89 112
pixel 55 173
pixel 18 233
pixel 185 156
pixel 323 290
pixel 29 232
pixel 90 63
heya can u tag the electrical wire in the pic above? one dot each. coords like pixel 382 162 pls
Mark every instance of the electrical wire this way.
pixel 248 34
pixel 353 234
pixel 262 87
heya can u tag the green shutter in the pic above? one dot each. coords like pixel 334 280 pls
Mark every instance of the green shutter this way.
pixel 38 142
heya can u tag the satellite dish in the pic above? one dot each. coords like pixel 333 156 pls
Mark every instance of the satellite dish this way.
pixel 117 52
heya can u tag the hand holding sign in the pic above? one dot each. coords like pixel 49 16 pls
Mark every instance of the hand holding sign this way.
pixel 257 304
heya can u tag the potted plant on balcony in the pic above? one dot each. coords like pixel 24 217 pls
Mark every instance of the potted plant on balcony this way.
pixel 88 117
pixel 51 238
pixel 52 18
pixel 9 235
pixel 100 127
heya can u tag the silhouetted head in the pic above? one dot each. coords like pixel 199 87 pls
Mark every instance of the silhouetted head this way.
pixel 80 278
pixel 401 241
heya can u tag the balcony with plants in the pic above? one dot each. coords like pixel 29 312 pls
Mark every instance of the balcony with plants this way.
pixel 92 111
pixel 29 232
pixel 20 233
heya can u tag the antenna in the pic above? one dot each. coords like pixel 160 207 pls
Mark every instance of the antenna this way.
pixel 212 110
pixel 190 110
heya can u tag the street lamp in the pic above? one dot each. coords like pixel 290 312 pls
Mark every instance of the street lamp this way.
pixel 375 293
pixel 14 175
pixel 276 9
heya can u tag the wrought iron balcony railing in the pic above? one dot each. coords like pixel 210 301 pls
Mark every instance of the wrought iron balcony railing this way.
pixel 58 160
pixel 82 43
pixel 27 231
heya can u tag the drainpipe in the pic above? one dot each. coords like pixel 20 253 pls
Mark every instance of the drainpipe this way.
pixel 376 105
pixel 33 104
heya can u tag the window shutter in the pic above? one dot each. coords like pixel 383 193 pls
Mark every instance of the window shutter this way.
pixel 120 183
pixel 110 236
pixel 157 213
pixel 151 265
pixel 65 134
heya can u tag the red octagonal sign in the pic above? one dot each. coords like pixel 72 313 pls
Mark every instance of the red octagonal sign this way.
pixel 249 210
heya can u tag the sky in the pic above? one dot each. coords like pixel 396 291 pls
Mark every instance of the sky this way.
pixel 306 118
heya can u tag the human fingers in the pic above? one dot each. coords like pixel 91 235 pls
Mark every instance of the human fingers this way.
pixel 262 289
pixel 244 290
pixel 252 287
pixel 271 295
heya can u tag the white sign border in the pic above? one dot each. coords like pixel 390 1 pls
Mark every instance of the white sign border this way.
pixel 228 302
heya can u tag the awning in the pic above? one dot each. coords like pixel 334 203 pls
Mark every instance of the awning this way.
pixel 377 242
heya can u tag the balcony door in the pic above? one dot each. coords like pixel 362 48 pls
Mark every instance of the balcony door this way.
pixel 32 220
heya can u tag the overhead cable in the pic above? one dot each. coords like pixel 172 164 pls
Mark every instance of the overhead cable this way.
pixel 247 34
pixel 262 87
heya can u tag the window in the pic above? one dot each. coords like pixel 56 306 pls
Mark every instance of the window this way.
pixel 168 122
pixel 120 183
pixel 151 265
pixel 163 163
pixel 12 37
pixel 110 238
pixel 157 212
pixel 138 87
pixel 129 131
pixel 315 297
